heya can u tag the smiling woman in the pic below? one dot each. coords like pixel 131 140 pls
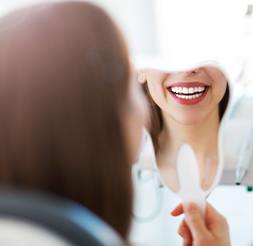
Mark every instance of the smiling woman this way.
pixel 186 107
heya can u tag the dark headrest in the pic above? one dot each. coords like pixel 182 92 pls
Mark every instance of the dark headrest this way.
pixel 67 219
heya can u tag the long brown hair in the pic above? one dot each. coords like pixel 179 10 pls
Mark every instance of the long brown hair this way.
pixel 156 118
pixel 64 73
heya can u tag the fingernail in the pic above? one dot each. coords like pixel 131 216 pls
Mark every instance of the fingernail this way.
pixel 171 212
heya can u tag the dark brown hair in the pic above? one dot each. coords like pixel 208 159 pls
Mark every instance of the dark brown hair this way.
pixel 64 73
pixel 156 118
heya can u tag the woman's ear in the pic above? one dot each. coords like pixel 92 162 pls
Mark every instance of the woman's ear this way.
pixel 142 76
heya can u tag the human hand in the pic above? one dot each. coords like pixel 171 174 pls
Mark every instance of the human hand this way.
pixel 198 230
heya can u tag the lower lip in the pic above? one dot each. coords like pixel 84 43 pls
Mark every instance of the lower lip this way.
pixel 190 101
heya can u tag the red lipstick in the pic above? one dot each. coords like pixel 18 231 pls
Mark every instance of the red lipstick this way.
pixel 188 93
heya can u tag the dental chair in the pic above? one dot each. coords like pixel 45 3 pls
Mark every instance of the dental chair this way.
pixel 31 219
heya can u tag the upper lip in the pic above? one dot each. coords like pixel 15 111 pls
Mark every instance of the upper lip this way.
pixel 187 84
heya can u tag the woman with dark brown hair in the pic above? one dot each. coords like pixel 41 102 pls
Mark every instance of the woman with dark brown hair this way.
pixel 65 96
pixel 71 113
pixel 186 107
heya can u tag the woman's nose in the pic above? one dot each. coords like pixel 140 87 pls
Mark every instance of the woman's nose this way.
pixel 191 72
pixel 185 74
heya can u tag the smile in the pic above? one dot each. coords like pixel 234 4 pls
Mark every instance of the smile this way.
pixel 188 93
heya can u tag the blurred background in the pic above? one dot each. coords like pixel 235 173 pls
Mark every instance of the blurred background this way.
pixel 184 28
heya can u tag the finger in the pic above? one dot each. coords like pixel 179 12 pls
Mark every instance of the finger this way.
pixel 212 213
pixel 213 217
pixel 184 232
pixel 187 242
pixel 195 220
pixel 178 210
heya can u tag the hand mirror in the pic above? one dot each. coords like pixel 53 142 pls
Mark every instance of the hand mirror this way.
pixel 187 108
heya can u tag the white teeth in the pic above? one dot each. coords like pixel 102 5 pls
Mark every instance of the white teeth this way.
pixel 196 89
pixel 185 90
pixel 189 97
pixel 191 90
pixel 201 88
pixel 174 89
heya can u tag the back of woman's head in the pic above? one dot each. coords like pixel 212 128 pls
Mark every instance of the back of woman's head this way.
pixel 64 74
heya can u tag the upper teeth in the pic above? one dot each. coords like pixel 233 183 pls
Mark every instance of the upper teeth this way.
pixel 187 90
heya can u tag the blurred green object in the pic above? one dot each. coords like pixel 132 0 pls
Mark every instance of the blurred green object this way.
pixel 250 188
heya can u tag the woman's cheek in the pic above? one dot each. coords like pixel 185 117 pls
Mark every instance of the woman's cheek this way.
pixel 220 91
pixel 157 94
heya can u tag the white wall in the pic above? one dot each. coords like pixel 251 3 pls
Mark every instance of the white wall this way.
pixel 137 20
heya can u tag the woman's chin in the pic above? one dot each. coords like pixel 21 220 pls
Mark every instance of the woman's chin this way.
pixel 188 119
